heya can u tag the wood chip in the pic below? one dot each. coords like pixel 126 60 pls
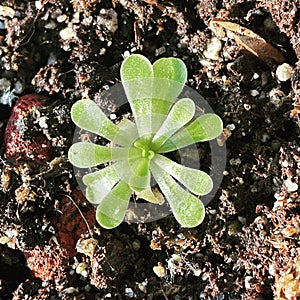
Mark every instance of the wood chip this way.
pixel 247 39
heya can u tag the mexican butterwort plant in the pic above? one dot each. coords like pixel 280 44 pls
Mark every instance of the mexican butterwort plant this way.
pixel 136 157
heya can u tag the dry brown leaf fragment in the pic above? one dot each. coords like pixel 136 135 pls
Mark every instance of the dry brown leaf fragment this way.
pixel 247 39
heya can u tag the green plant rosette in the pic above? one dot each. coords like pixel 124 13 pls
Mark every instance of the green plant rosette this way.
pixel 136 154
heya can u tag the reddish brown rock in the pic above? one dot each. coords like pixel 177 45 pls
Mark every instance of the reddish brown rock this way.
pixel 20 146
pixel 77 218
pixel 47 263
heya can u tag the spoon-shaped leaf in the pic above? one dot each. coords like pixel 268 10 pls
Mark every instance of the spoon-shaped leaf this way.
pixel 100 183
pixel 111 211
pixel 87 115
pixel 136 75
pixel 135 66
pixel 180 114
pixel 188 210
pixel 198 182
pixel 85 155
pixel 170 75
pixel 171 68
pixel 204 128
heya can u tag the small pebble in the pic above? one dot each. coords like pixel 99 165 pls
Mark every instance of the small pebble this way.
pixel 7 95
pixel 247 106
pixel 43 122
pixel 67 33
pixel 87 21
pixel 129 293
pixel 290 185
pixel 2 26
pixel 81 269
pixel 160 51
pixel 272 269
pixel 254 93
pixel 4 84
pixel 265 137
pixel 109 19
pixel 18 87
pixel 253 189
pixel 247 282
pixel 86 246
pixel 277 97
pixel 268 121
pixel 234 162
pixel 242 220
pixel 205 277
pixel 126 54
pixel 143 286
pixel 4 240
pixel 159 271
pixel 76 18
pixel 112 116
pixel 284 72
pixel 181 236
pixel 285 163
pixel 255 76
pixel 38 5
pixel 70 290
pixel 56 13
pixel 61 18
pixel 213 49
pixel 7 11
pixel 51 25
pixel 102 51
pixel 230 127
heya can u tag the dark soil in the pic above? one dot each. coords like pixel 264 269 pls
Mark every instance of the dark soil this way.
pixel 248 245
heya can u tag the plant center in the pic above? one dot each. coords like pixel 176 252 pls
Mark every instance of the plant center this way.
pixel 146 151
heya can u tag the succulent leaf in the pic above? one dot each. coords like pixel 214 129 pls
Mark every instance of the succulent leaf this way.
pixel 204 128
pixel 86 155
pixel 136 66
pixel 171 68
pixel 180 114
pixel 188 210
pixel 198 182
pixel 100 183
pixel 111 211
